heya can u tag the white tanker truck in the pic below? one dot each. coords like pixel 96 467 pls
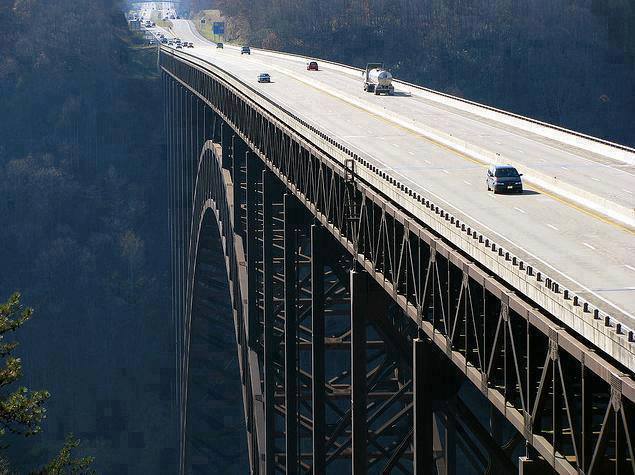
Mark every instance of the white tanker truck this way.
pixel 377 79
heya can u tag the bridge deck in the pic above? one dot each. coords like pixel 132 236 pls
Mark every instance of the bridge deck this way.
pixel 594 257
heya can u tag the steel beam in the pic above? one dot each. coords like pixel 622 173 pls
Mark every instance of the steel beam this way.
pixel 359 310
pixel 318 387
pixel 270 343
pixel 422 368
pixel 253 180
pixel 292 217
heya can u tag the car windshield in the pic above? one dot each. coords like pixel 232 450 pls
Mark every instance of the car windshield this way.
pixel 506 172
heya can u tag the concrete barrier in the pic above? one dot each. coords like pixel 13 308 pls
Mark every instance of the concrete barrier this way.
pixel 567 191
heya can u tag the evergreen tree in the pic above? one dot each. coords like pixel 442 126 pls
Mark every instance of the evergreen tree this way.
pixel 21 410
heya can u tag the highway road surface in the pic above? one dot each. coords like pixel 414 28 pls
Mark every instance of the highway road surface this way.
pixel 592 255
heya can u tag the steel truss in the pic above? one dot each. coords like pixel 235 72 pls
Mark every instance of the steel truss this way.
pixel 418 328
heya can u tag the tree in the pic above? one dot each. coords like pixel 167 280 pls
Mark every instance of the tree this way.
pixel 22 411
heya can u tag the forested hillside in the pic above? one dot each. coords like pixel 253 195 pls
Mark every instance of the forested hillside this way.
pixel 83 231
pixel 569 62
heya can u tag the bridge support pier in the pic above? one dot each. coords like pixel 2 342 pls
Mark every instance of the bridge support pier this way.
pixel 423 415
pixel 292 218
pixel 270 342
pixel 359 312
pixel 317 348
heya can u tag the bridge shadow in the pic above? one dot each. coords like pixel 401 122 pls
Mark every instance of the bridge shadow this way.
pixel 215 437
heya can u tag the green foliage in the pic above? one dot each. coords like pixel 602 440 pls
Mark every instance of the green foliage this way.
pixel 22 411
pixel 65 464
pixel 82 180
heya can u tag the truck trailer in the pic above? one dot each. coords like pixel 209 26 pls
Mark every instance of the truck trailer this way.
pixel 377 79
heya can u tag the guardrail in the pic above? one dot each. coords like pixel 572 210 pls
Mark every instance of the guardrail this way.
pixel 592 144
pixel 602 329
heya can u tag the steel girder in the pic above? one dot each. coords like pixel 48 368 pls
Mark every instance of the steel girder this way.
pixel 571 405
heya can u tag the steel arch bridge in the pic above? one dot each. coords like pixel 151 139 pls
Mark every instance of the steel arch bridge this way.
pixel 366 342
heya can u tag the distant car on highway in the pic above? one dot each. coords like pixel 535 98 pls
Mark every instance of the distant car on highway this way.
pixel 264 77
pixel 219 45
pixel 178 46
pixel 189 45
pixel 504 178
pixel 164 40
pixel 245 50
pixel 312 66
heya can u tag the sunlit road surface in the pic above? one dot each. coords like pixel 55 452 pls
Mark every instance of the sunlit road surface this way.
pixel 593 257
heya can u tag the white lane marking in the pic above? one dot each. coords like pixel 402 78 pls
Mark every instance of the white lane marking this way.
pixel 467 182
pixel 588 245
pixel 446 172
pixel 595 179
pixel 395 145
pixel 518 209
pixel 552 227
pixel 427 161
pixel 411 153
pixel 627 191
pixel 629 267
pixel 564 168
pixel 520 151
pixel 499 143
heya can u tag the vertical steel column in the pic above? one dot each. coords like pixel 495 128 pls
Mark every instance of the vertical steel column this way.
pixel 253 169
pixel 292 217
pixel 423 415
pixel 318 387
pixel 449 447
pixel 269 317
pixel 359 309
pixel 225 142
pixel 237 156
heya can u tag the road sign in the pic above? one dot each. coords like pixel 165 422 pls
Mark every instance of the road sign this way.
pixel 219 28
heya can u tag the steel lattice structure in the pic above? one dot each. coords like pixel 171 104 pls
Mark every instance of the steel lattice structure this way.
pixel 366 342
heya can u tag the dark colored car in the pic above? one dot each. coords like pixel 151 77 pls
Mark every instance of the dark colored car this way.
pixel 264 77
pixel 245 50
pixel 504 178
pixel 219 45
pixel 312 66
